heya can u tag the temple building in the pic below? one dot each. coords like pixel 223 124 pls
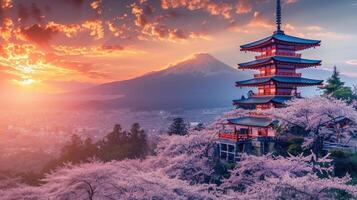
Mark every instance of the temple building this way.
pixel 276 80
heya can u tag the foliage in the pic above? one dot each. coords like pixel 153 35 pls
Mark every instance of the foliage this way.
pixel 320 121
pixel 336 88
pixel 199 127
pixel 117 145
pixel 294 177
pixel 178 127
pixel 295 149
pixel 183 168
pixel 345 163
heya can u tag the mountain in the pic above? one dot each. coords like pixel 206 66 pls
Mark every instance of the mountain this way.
pixel 200 81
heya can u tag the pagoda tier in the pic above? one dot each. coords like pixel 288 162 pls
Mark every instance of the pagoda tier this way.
pixel 255 127
pixel 262 100
pixel 250 121
pixel 276 82
pixel 279 82
pixel 280 61
pixel 279 38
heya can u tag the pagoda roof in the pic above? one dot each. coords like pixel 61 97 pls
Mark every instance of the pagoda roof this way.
pixel 281 59
pixel 263 100
pixel 281 37
pixel 252 121
pixel 280 79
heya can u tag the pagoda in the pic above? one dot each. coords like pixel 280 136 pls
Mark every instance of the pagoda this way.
pixel 276 81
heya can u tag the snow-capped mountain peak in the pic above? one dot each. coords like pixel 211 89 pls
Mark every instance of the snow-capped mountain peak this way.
pixel 200 64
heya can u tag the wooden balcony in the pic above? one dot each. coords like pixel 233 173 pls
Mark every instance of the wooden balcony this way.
pixel 295 55
pixel 295 94
pixel 234 136
pixel 278 74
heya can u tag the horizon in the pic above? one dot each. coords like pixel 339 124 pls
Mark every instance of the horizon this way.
pixel 178 99
pixel 104 41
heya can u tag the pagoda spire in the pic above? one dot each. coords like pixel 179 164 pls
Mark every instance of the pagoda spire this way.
pixel 278 16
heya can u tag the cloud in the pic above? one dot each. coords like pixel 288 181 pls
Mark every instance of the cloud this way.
pixel 243 7
pixel 121 31
pixel 22 13
pixel 315 31
pixel 69 30
pixel 258 21
pixel 95 28
pixel 140 18
pixel 216 9
pixel 6 4
pixel 154 29
pixel 38 34
pixel 96 5
pixel 6 30
pixel 290 1
pixel 352 62
pixel 76 3
pixel 94 51
pixel 36 12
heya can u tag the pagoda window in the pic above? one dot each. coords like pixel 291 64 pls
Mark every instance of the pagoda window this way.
pixel 227 151
pixel 262 131
pixel 286 70
pixel 287 47
pixel 261 91
pixel 231 157
pixel 272 90
pixel 282 66
pixel 264 106
pixel 224 147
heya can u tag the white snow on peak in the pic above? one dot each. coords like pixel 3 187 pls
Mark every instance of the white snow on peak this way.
pixel 200 64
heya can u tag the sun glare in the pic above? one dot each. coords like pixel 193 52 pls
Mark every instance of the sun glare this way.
pixel 27 70
pixel 27 81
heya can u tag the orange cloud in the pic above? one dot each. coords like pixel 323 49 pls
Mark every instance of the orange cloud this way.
pixel 95 51
pixel 140 19
pixel 352 62
pixel 38 34
pixel 6 4
pixel 96 5
pixel 95 28
pixel 222 9
pixel 258 21
pixel 6 30
pixel 70 30
pixel 243 7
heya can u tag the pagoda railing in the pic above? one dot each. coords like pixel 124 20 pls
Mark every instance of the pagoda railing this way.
pixel 278 74
pixel 288 54
pixel 257 114
pixel 295 94
pixel 235 136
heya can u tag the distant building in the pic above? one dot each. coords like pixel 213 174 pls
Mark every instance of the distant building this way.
pixel 348 144
pixel 277 82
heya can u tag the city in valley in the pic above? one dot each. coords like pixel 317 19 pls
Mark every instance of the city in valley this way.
pixel 178 99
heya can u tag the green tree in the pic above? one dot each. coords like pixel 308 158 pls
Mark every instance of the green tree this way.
pixel 138 141
pixel 337 88
pixel 114 146
pixel 178 127
pixel 333 83
pixel 199 127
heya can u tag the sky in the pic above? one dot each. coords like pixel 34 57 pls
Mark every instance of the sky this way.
pixel 56 46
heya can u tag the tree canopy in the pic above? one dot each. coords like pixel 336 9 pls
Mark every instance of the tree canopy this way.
pixel 336 88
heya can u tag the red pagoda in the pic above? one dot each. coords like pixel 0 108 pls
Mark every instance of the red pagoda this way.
pixel 277 81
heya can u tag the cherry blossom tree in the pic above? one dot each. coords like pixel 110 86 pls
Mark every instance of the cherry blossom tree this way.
pixel 318 116
pixel 294 177
pixel 183 168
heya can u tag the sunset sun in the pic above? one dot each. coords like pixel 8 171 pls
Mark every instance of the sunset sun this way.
pixel 178 99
